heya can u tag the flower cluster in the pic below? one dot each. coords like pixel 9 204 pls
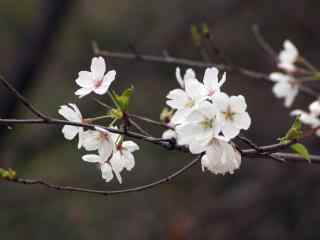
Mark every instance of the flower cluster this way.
pixel 113 153
pixel 207 119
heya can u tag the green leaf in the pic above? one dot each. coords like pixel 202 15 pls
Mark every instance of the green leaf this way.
pixel 294 133
pixel 122 101
pixel 205 30
pixel 301 150
pixel 316 76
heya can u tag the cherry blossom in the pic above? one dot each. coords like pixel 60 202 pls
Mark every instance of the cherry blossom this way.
pixel 72 113
pixel 232 114
pixel 185 101
pixel 200 128
pixel 285 87
pixel 211 81
pixel 169 134
pixel 188 74
pixel 310 118
pixel 288 56
pixel 96 80
pixel 221 157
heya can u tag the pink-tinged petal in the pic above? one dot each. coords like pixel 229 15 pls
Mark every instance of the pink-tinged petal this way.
pixel 98 67
pixel 92 158
pixel 85 79
pixel 117 164
pixel 238 103
pixel 106 172
pixel 130 146
pixel 242 120
pixel 106 148
pixel 91 140
pixel 106 82
pixel 81 92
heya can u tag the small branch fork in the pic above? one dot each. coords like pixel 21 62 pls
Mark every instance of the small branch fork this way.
pixel 255 151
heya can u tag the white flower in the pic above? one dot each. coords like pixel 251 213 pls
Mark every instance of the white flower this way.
pixel 221 157
pixel 72 114
pixel 232 114
pixel 103 141
pixel 95 81
pixel 185 101
pixel 288 56
pixel 188 74
pixel 314 108
pixel 200 128
pixel 285 87
pixel 211 81
pixel 120 159
pixel 310 118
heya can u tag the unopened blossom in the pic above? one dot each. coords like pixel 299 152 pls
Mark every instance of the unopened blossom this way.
pixel 169 134
pixel 288 57
pixel 221 157
pixel 285 87
pixel 185 101
pixel 211 81
pixel 97 80
pixel 233 114
pixel 199 128
pixel 188 74
pixel 72 113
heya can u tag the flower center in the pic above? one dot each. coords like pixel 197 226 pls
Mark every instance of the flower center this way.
pixel 98 83
pixel 207 123
pixel 229 114
pixel 190 103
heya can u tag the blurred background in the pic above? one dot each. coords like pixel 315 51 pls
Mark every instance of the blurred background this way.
pixel 43 45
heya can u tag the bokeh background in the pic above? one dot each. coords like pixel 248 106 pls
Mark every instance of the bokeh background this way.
pixel 43 45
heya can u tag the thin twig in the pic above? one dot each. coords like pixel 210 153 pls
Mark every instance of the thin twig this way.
pixel 263 43
pixel 106 193
pixel 22 99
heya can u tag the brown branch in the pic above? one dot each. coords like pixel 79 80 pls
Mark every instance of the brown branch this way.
pixel 101 192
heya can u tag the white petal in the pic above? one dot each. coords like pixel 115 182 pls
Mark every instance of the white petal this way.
pixel 279 77
pixel 314 108
pixel 91 140
pixel 221 100
pixel 85 79
pixel 106 148
pixel 195 89
pixel 69 113
pixel 70 132
pixel 291 96
pixel 238 103
pixel 229 130
pixel 177 99
pixel 180 115
pixel 281 89
pixel 242 120
pixel 179 78
pixel 98 67
pixel 106 171
pixel 107 80
pixel 81 92
pixel 306 118
pixel 130 146
pixel 128 160
pixel 210 79
pixel 169 134
pixel 92 158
